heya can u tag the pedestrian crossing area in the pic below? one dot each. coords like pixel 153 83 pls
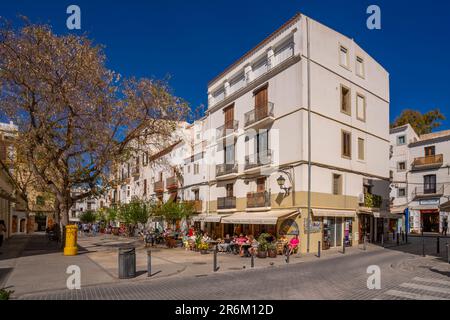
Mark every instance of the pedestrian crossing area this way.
pixel 419 289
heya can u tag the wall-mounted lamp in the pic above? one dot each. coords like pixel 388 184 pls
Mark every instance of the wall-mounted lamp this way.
pixel 281 181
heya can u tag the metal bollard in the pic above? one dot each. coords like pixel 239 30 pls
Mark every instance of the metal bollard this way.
pixel 149 263
pixel 398 239
pixel 364 243
pixel 448 253
pixel 403 236
pixel 423 246
pixel 382 240
pixel 215 268
pixel 287 256
pixel 318 249
pixel 253 259
pixel 406 237
pixel 343 245
pixel 437 245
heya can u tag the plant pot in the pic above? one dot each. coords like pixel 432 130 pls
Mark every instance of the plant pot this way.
pixel 272 253
pixel 204 251
pixel 262 254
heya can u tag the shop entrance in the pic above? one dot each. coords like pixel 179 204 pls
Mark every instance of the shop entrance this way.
pixel 332 232
pixel 41 221
pixel 430 220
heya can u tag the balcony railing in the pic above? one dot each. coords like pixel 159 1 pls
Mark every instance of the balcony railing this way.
pixel 428 190
pixel 258 113
pixel 226 203
pixel 428 162
pixel 196 204
pixel 258 199
pixel 258 159
pixel 372 200
pixel 227 129
pixel 135 171
pixel 226 168
pixel 158 187
pixel 172 182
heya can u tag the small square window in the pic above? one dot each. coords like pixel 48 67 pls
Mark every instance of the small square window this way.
pixel 401 166
pixel 401 192
pixel 401 140
pixel 345 100
pixel 360 71
pixel 343 56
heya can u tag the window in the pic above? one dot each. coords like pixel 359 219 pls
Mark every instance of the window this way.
pixel 429 184
pixel 401 192
pixel 74 214
pixel 196 168
pixel 229 188
pixel 40 200
pixel 401 140
pixel 345 100
pixel 189 168
pixel 337 184
pixel 89 206
pixel 196 195
pixel 361 149
pixel 346 144
pixel 145 187
pixel 145 158
pixel 401 166
pixel 343 56
pixel 430 151
pixel 361 107
pixel 360 71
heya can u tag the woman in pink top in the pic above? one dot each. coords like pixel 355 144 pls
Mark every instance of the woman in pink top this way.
pixel 293 244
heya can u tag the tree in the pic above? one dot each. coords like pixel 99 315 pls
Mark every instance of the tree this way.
pixel 173 211
pixel 88 217
pixel 75 116
pixel 421 123
pixel 133 213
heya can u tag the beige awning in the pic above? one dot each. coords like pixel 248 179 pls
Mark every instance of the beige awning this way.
pixel 398 210
pixel 445 206
pixel 387 215
pixel 267 217
pixel 208 217
pixel 333 213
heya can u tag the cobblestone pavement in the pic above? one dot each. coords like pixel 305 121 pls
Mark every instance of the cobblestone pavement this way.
pixel 404 275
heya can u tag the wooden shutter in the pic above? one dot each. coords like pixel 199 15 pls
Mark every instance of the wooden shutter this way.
pixel 260 184
pixel 229 117
pixel 261 103
pixel 145 186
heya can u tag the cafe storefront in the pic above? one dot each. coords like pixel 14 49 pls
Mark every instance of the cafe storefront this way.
pixel 337 227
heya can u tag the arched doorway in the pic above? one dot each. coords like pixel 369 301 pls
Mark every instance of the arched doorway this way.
pixel 22 225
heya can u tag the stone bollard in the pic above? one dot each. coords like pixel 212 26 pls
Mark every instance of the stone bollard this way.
pixel 318 249
pixel 215 267
pixel 149 263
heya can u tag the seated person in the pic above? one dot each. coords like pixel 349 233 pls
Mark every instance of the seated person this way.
pixel 293 244
pixel 205 237
pixel 225 244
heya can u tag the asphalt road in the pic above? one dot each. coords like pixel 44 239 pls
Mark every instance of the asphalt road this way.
pixel 404 275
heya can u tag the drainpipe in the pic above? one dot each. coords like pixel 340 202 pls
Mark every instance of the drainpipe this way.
pixel 309 135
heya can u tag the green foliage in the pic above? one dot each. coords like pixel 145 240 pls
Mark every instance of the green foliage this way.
pixel 137 211
pixel 173 211
pixel 422 123
pixel 112 213
pixel 88 217
pixel 5 294
pixel 263 242
pixel 372 200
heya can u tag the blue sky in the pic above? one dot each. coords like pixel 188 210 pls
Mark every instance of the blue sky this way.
pixel 194 40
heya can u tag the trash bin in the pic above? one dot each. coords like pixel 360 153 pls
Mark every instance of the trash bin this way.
pixel 127 263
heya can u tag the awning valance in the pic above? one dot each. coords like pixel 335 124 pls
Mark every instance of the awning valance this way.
pixel 333 213
pixel 208 217
pixel 445 206
pixel 387 215
pixel 267 217
pixel 398 210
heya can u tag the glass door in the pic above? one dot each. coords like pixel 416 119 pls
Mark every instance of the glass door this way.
pixel 338 232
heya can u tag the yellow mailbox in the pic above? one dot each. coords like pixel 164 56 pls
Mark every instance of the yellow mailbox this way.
pixel 71 248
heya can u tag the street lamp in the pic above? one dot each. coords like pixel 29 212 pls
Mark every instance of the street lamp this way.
pixel 281 180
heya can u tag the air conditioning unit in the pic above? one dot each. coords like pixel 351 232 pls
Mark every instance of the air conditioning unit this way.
pixel 361 198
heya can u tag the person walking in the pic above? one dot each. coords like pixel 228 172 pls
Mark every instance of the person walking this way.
pixel 2 232
pixel 445 226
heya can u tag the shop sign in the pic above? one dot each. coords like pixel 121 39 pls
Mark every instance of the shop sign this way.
pixel 429 202
pixel 289 227
pixel 315 226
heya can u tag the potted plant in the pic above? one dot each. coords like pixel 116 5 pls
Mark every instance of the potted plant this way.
pixel 203 247
pixel 263 245
pixel 272 250
pixel 198 241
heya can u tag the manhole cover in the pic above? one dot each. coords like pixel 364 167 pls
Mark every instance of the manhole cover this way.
pixel 198 262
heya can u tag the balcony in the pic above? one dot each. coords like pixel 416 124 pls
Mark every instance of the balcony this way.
pixel 259 116
pixel 135 171
pixel 258 200
pixel 428 162
pixel 226 203
pixel 158 187
pixel 172 183
pixel 229 128
pixel 196 204
pixel 226 170
pixel 257 160
pixel 429 191
pixel 372 201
